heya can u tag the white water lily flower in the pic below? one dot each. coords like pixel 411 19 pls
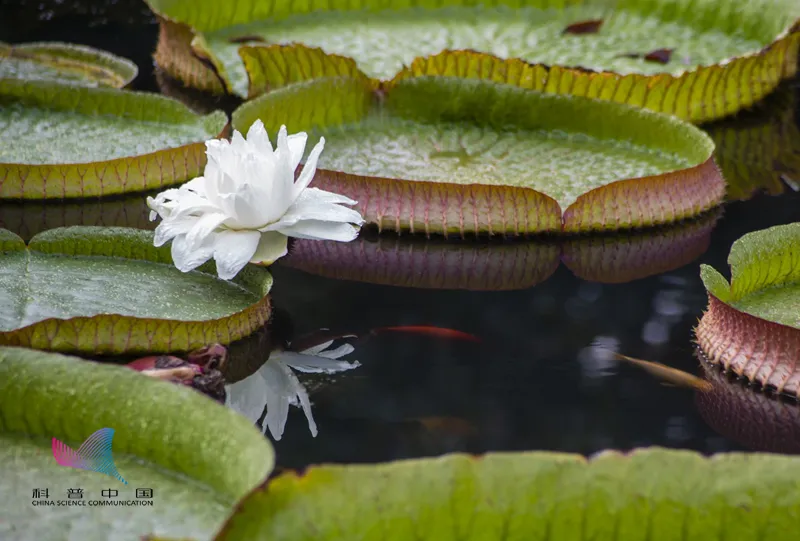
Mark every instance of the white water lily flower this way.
pixel 247 203
pixel 275 386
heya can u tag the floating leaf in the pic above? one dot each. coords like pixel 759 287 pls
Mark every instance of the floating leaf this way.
pixel 657 492
pixel 166 438
pixel 752 325
pixel 584 27
pixel 756 420
pixel 109 291
pixel 471 156
pixel 759 150
pixel 65 63
pixel 730 53
pixel 497 266
pixel 67 141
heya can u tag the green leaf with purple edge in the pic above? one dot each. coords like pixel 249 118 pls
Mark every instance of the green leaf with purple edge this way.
pixel 458 156
pixel 752 325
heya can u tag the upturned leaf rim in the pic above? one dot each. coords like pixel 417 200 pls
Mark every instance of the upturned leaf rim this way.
pixel 462 209
pixel 700 94
pixel 762 351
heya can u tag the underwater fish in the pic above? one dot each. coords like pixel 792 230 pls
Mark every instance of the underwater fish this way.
pixel 666 373
pixel 438 332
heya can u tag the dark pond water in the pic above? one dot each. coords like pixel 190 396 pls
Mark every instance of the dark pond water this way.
pixel 534 381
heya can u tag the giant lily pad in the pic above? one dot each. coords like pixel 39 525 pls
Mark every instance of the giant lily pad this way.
pixel 695 58
pixel 752 325
pixel 64 141
pixel 651 493
pixel 167 438
pixel 65 63
pixel 110 291
pixel 496 266
pixel 448 155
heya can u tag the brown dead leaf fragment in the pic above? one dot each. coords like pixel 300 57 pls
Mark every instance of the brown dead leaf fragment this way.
pixel 245 39
pixel 591 26
pixel 662 56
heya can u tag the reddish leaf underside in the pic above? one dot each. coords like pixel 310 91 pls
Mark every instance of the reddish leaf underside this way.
pixel 751 347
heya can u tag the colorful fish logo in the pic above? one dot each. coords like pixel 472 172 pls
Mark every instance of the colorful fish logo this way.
pixel 94 454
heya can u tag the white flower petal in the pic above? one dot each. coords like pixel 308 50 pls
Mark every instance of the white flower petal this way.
pixel 319 230
pixel 258 139
pixel 233 250
pixel 187 258
pixel 171 228
pixel 271 247
pixel 306 207
pixel 196 185
pixel 315 364
pixel 276 193
pixel 309 169
pixel 321 196
pixel 203 227
pixel 157 208
pixel 238 143
pixel 297 145
pixel 242 209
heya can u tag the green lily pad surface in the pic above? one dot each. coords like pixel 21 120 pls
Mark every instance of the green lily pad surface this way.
pixel 647 38
pixel 65 63
pixel 654 493
pixel 752 325
pixel 384 42
pixel 66 141
pixel 450 155
pixel 108 290
pixel 167 438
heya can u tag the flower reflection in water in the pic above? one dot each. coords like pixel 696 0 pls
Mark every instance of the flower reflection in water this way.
pixel 275 385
